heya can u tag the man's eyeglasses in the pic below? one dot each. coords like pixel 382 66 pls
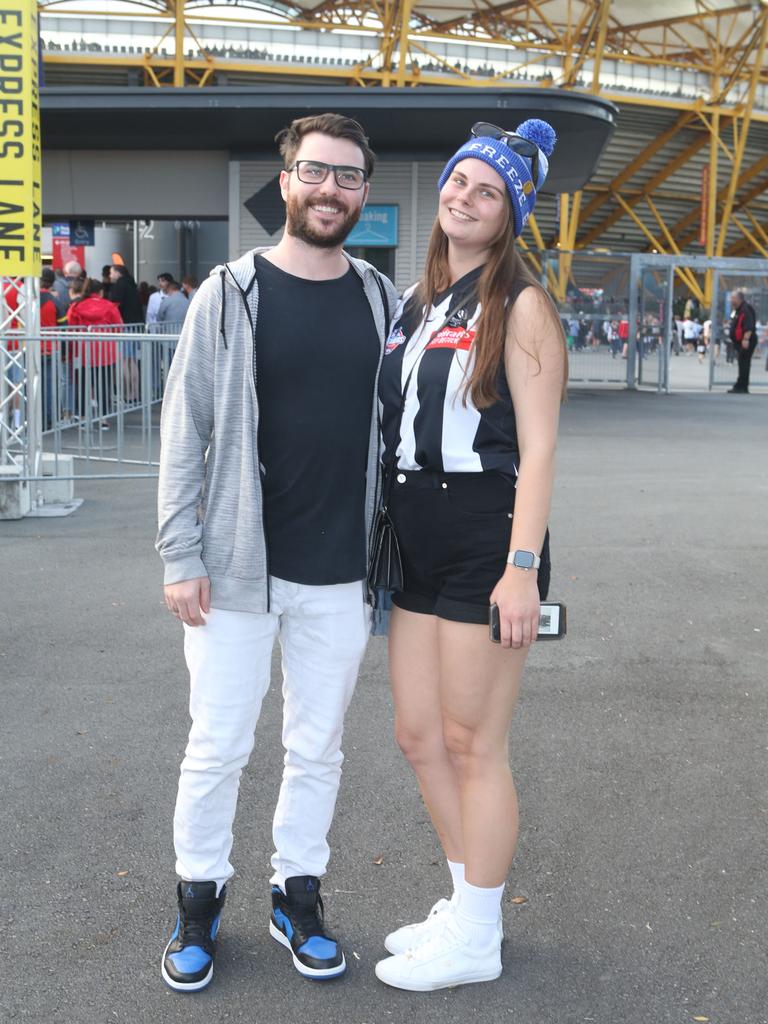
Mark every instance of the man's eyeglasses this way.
pixel 314 172
pixel 515 142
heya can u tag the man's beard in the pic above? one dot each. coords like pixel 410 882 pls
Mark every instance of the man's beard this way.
pixel 298 226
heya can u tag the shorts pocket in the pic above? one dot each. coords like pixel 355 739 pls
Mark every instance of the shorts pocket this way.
pixel 491 496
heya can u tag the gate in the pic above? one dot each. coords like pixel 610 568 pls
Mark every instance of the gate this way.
pixel 654 339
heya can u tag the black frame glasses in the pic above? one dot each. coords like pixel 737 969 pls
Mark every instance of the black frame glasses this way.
pixel 300 166
pixel 483 129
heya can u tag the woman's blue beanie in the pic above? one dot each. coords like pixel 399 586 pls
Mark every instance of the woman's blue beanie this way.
pixel 514 168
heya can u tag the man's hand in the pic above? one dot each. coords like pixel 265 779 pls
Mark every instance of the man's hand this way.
pixel 189 600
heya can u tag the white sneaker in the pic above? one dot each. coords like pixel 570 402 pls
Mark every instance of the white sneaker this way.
pixel 412 935
pixel 447 958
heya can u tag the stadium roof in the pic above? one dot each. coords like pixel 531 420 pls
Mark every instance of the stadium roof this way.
pixel 420 122
pixel 689 78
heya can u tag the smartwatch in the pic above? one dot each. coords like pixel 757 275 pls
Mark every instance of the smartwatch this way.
pixel 523 559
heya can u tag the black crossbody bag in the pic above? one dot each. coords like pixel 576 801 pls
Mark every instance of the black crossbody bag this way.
pixel 385 564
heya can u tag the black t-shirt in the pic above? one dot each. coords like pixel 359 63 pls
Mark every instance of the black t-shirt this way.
pixel 317 351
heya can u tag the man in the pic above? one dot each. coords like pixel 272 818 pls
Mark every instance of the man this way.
pixel 189 286
pixel 173 308
pixel 125 295
pixel 266 499
pixel 59 289
pixel 73 271
pixel 157 296
pixel 743 337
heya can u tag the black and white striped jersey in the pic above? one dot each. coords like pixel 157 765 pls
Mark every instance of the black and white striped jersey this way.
pixel 439 431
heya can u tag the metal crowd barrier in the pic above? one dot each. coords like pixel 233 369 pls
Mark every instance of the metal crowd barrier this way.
pixel 99 391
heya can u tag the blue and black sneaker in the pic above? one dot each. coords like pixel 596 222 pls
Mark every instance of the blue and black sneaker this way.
pixel 188 957
pixel 297 922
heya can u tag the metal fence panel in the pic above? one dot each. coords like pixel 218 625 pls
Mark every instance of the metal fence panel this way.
pixel 101 391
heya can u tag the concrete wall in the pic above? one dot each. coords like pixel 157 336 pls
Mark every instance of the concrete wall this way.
pixel 199 184
pixel 110 184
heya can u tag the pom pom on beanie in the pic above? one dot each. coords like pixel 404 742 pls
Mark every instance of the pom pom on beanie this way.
pixel 540 133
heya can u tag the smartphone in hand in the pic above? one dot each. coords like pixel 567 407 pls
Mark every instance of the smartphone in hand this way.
pixel 551 622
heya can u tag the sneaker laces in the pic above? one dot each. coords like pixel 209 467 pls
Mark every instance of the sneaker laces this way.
pixel 194 930
pixel 309 919
pixel 446 937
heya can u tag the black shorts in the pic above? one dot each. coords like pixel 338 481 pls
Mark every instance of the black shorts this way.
pixel 454 531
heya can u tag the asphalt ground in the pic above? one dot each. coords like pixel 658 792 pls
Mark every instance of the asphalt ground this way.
pixel 639 747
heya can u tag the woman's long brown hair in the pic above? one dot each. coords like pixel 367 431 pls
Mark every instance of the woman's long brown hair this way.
pixel 504 274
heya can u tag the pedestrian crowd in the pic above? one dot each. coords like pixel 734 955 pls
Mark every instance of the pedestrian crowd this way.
pixel 82 378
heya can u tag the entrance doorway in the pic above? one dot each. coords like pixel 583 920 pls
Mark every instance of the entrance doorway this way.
pixel 676 342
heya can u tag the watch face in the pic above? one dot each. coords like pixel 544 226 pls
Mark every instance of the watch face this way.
pixel 524 559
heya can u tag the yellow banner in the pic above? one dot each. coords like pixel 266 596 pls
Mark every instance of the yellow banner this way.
pixel 20 195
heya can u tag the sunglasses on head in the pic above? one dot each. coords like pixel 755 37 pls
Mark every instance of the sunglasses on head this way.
pixel 484 130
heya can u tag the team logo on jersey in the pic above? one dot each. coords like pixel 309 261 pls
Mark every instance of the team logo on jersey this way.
pixel 396 338
pixel 452 337
pixel 459 319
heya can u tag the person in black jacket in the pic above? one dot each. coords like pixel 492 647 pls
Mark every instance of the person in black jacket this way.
pixel 124 293
pixel 743 337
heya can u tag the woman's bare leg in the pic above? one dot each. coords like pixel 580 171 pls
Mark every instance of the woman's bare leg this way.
pixel 415 671
pixel 479 684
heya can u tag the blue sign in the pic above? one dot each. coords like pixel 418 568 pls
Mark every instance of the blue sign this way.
pixel 82 232
pixel 377 227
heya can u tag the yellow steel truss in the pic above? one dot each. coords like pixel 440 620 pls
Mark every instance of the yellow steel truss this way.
pixel 571 43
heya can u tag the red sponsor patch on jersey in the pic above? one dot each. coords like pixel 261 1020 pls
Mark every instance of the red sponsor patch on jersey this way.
pixel 452 337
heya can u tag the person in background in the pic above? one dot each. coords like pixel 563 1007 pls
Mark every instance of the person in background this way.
pixel 49 347
pixel 94 361
pixel 73 271
pixel 47 285
pixel 473 377
pixel 125 294
pixel 705 339
pixel 145 290
pixel 106 280
pixel 743 335
pixel 60 289
pixel 173 308
pixel 189 286
pixel 157 296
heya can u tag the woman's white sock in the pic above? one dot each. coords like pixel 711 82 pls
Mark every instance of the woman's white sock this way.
pixel 478 911
pixel 457 874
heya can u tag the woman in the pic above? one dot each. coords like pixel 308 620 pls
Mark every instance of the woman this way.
pixel 479 352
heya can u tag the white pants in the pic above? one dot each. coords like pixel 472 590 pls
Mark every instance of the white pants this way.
pixel 323 632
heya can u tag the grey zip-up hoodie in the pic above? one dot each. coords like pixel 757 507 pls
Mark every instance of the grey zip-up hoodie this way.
pixel 209 495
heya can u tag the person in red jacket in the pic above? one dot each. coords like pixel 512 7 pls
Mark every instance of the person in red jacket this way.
pixel 90 311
